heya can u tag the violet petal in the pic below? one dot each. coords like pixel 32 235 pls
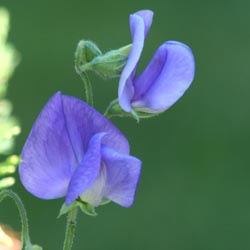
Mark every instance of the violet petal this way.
pixel 122 175
pixel 87 171
pixel 58 142
pixel 95 194
pixel 166 78
pixel 47 156
pixel 139 25
pixel 147 16
pixel 83 121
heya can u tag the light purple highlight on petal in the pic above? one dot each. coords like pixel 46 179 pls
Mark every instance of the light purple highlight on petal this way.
pixel 122 175
pixel 147 16
pixel 95 194
pixel 126 90
pixel 87 171
pixel 47 156
pixel 166 78
pixel 140 23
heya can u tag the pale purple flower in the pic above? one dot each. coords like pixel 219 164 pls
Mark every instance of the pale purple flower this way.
pixel 165 79
pixel 74 151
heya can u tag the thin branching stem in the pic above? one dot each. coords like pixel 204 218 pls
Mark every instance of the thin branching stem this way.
pixel 22 212
pixel 88 88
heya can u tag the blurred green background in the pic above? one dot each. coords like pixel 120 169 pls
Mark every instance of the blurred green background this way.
pixel 195 183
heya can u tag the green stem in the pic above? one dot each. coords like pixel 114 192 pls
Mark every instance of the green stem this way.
pixel 22 212
pixel 88 88
pixel 107 112
pixel 70 229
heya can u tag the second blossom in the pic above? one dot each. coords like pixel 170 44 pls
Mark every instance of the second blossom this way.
pixel 165 79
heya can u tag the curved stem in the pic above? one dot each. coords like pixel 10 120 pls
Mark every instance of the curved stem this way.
pixel 70 229
pixel 107 112
pixel 22 212
pixel 88 88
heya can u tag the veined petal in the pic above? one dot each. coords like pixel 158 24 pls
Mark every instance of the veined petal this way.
pixel 48 156
pixel 87 171
pixel 58 142
pixel 140 23
pixel 122 175
pixel 83 122
pixel 166 78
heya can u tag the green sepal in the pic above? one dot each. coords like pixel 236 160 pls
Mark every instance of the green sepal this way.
pixel 87 208
pixel 84 207
pixel 114 109
pixel 66 208
pixel 105 202
pixel 145 115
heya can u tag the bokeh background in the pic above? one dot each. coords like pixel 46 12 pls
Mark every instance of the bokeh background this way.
pixel 195 183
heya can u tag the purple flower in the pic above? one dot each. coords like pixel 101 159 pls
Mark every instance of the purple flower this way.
pixel 165 79
pixel 74 151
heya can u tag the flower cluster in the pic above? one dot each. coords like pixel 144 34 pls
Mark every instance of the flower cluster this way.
pixel 73 151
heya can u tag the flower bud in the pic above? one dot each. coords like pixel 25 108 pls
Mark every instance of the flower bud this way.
pixel 86 51
pixel 108 65
pixel 111 64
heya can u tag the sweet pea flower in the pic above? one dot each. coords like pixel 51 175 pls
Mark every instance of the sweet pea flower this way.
pixel 74 151
pixel 165 79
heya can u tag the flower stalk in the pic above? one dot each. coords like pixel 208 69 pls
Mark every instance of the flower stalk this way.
pixel 70 229
pixel 88 88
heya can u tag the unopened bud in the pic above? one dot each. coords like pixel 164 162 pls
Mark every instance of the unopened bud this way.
pixel 86 51
pixel 110 64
